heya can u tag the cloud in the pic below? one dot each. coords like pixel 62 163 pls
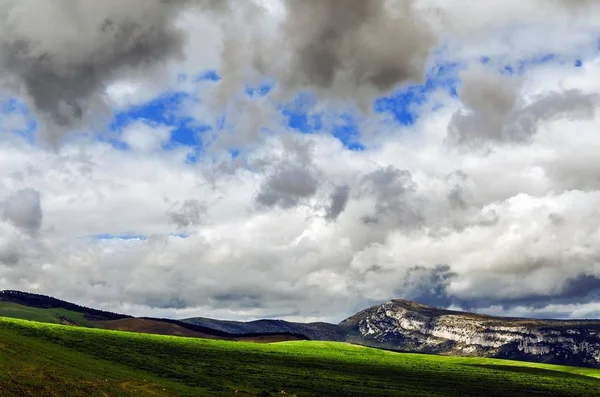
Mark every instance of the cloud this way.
pixel 141 137
pixel 339 199
pixel 10 249
pixel 496 113
pixel 287 186
pixel 23 209
pixel 189 213
pixel 343 54
pixel 65 53
pixel 427 285
pixel 70 73
pixel 393 190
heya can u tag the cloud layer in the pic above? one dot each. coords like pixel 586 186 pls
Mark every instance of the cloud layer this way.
pixel 238 193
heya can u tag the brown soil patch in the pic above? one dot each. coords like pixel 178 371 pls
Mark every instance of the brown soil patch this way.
pixel 148 326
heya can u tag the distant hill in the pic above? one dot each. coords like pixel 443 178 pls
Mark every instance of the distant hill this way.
pixel 314 331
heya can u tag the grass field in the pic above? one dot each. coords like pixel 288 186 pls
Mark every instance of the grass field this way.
pixel 53 316
pixel 45 359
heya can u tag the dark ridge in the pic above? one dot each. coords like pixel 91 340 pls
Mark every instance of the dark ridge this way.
pixel 212 331
pixel 47 302
pixel 313 331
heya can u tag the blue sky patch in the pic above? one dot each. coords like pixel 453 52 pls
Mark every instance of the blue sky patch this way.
pixel 348 132
pixel 209 75
pixel 404 103
pixel 519 67
pixel 167 109
pixel 299 116
pixel 108 236
pixel 19 107
pixel 260 90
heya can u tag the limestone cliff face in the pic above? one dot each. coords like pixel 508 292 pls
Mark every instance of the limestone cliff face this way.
pixel 409 326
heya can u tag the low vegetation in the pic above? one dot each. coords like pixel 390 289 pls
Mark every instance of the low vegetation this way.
pixel 52 315
pixel 55 360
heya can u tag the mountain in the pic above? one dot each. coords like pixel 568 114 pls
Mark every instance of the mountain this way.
pixel 409 326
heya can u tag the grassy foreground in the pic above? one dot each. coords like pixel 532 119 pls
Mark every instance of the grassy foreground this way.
pixel 46 359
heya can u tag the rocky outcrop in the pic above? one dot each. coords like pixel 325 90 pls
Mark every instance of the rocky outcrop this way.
pixel 409 326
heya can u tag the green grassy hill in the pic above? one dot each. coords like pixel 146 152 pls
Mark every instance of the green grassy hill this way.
pixel 45 359
pixel 53 316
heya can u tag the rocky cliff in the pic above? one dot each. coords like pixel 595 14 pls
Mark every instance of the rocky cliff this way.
pixel 409 326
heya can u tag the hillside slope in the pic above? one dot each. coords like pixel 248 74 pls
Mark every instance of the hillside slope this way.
pixel 48 302
pixel 41 308
pixel 409 326
pixel 54 360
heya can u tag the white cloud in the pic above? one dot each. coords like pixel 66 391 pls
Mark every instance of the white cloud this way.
pixel 143 138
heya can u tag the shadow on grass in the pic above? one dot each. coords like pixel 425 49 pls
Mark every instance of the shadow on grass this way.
pixel 530 371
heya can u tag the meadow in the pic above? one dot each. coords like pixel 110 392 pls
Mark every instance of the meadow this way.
pixel 41 359
pixel 53 316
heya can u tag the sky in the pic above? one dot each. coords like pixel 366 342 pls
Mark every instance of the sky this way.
pixel 302 160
